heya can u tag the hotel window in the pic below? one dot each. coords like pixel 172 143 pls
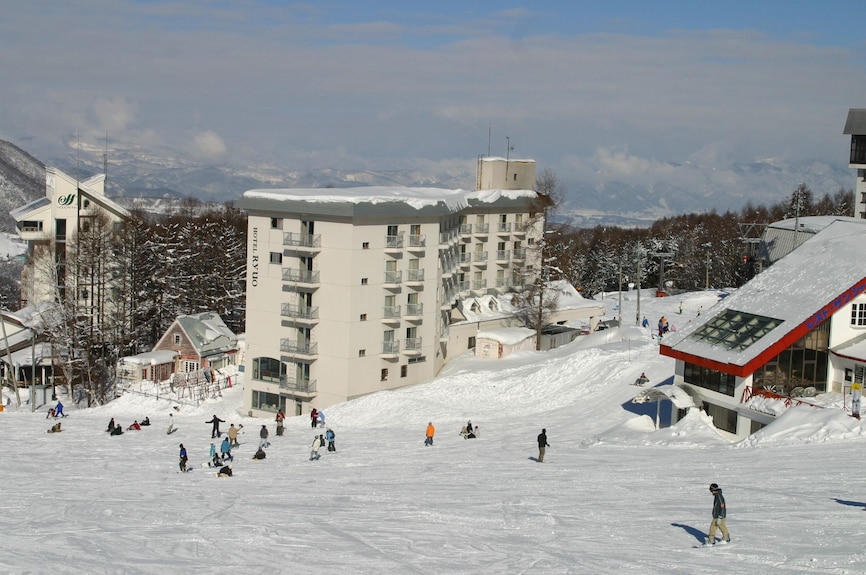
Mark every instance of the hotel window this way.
pixel 858 314
pixel 365 246
pixel 362 352
pixel 363 317
pixel 404 370
pixel 276 223
pixel 363 281
pixel 276 258
pixel 384 374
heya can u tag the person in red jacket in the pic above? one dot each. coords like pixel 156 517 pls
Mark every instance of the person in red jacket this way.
pixel 280 419
pixel 314 418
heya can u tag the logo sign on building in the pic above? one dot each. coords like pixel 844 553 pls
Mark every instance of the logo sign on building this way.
pixel 67 200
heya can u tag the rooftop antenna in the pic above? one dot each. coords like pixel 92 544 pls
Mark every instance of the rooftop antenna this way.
pixel 489 134
pixel 105 159
pixel 508 148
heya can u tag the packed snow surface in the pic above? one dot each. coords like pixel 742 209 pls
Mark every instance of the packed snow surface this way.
pixel 614 495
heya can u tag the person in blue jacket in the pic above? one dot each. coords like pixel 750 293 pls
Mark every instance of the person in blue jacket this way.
pixel 329 436
pixel 58 411
pixel 226 449
pixel 183 458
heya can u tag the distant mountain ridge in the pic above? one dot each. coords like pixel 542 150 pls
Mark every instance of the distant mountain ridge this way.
pixel 170 177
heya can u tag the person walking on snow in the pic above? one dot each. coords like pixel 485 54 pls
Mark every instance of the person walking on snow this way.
pixel 183 458
pixel 226 450
pixel 542 443
pixel 720 512
pixel 170 424
pixel 314 448
pixel 214 458
pixel 321 418
pixel 58 410
pixel 280 418
pixel 329 437
pixel 431 431
pixel 314 418
pixel 263 435
pixel 215 432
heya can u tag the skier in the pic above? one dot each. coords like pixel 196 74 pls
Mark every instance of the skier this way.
pixel 645 322
pixel 720 512
pixel 226 450
pixel 183 458
pixel 58 410
pixel 542 443
pixel 329 436
pixel 279 419
pixel 314 448
pixel 263 435
pixel 431 431
pixel 215 432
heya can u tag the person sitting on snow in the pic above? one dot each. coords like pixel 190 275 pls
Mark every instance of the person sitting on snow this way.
pixel 641 380
pixel 145 421
pixel 226 471
pixel 260 454
pixel 135 426
pixel 55 428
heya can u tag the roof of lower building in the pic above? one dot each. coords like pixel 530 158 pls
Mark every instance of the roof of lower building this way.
pixel 778 306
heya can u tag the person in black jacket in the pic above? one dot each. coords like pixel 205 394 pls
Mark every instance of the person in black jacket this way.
pixel 720 512
pixel 542 443
pixel 215 432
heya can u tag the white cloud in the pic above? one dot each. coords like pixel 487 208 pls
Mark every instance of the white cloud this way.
pixel 207 145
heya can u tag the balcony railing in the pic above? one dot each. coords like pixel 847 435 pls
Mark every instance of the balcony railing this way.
pixel 414 309
pixel 391 346
pixel 391 311
pixel 465 258
pixel 465 229
pixel 519 254
pixel 503 282
pixel 393 241
pixel 479 284
pixel 479 257
pixel 482 228
pixel 299 311
pixel 412 344
pixel 503 255
pixel 296 384
pixel 298 347
pixel 416 275
pixel 302 240
pixel 417 241
pixel 393 277
pixel 504 227
pixel 463 286
pixel 300 276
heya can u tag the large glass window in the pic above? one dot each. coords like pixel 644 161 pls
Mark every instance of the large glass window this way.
pixel 735 330
pixel 711 379
pixel 268 401
pixel 269 369
pixel 802 365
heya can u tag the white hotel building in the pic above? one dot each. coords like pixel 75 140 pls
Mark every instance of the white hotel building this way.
pixel 352 291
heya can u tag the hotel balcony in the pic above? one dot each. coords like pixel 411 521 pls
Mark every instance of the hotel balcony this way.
pixel 296 385
pixel 503 283
pixel 393 243
pixel 414 311
pixel 519 254
pixel 520 228
pixel 465 259
pixel 300 276
pixel 415 276
pixel 478 285
pixel 393 278
pixel 390 348
pixel 464 286
pixel 412 346
pixel 503 256
pixel 303 349
pixel 302 242
pixel 447 237
pixel 300 313
pixel 32 230
pixel 417 242
pixel 503 228
pixel 465 229
pixel 481 229
pixel 391 313
pixel 480 258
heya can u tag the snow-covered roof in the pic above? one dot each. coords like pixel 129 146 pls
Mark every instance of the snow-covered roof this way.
pixel 151 357
pixel 854 349
pixel 208 333
pixel 784 236
pixel 506 335
pixel 787 300
pixel 22 212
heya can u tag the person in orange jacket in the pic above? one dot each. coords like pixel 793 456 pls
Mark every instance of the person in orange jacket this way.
pixel 430 432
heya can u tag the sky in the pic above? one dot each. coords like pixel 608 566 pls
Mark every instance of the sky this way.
pixel 624 90
pixel 613 495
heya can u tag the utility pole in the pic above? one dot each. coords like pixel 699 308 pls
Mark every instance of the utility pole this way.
pixel 619 315
pixel 637 283
pixel 662 257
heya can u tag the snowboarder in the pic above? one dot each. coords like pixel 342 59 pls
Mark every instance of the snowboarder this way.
pixel 263 435
pixel 226 450
pixel 431 431
pixel 542 443
pixel 226 471
pixel 171 427
pixel 330 436
pixel 314 448
pixel 111 425
pixel 183 458
pixel 469 427
pixel 215 432
pixel 118 430
pixel 279 419
pixel 314 418
pixel 233 435
pixel 645 322
pixel 641 380
pixel 145 421
pixel 720 512
pixel 472 434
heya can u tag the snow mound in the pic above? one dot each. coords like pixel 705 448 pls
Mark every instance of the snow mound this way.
pixel 805 424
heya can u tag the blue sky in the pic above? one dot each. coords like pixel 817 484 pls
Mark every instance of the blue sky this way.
pixel 623 90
